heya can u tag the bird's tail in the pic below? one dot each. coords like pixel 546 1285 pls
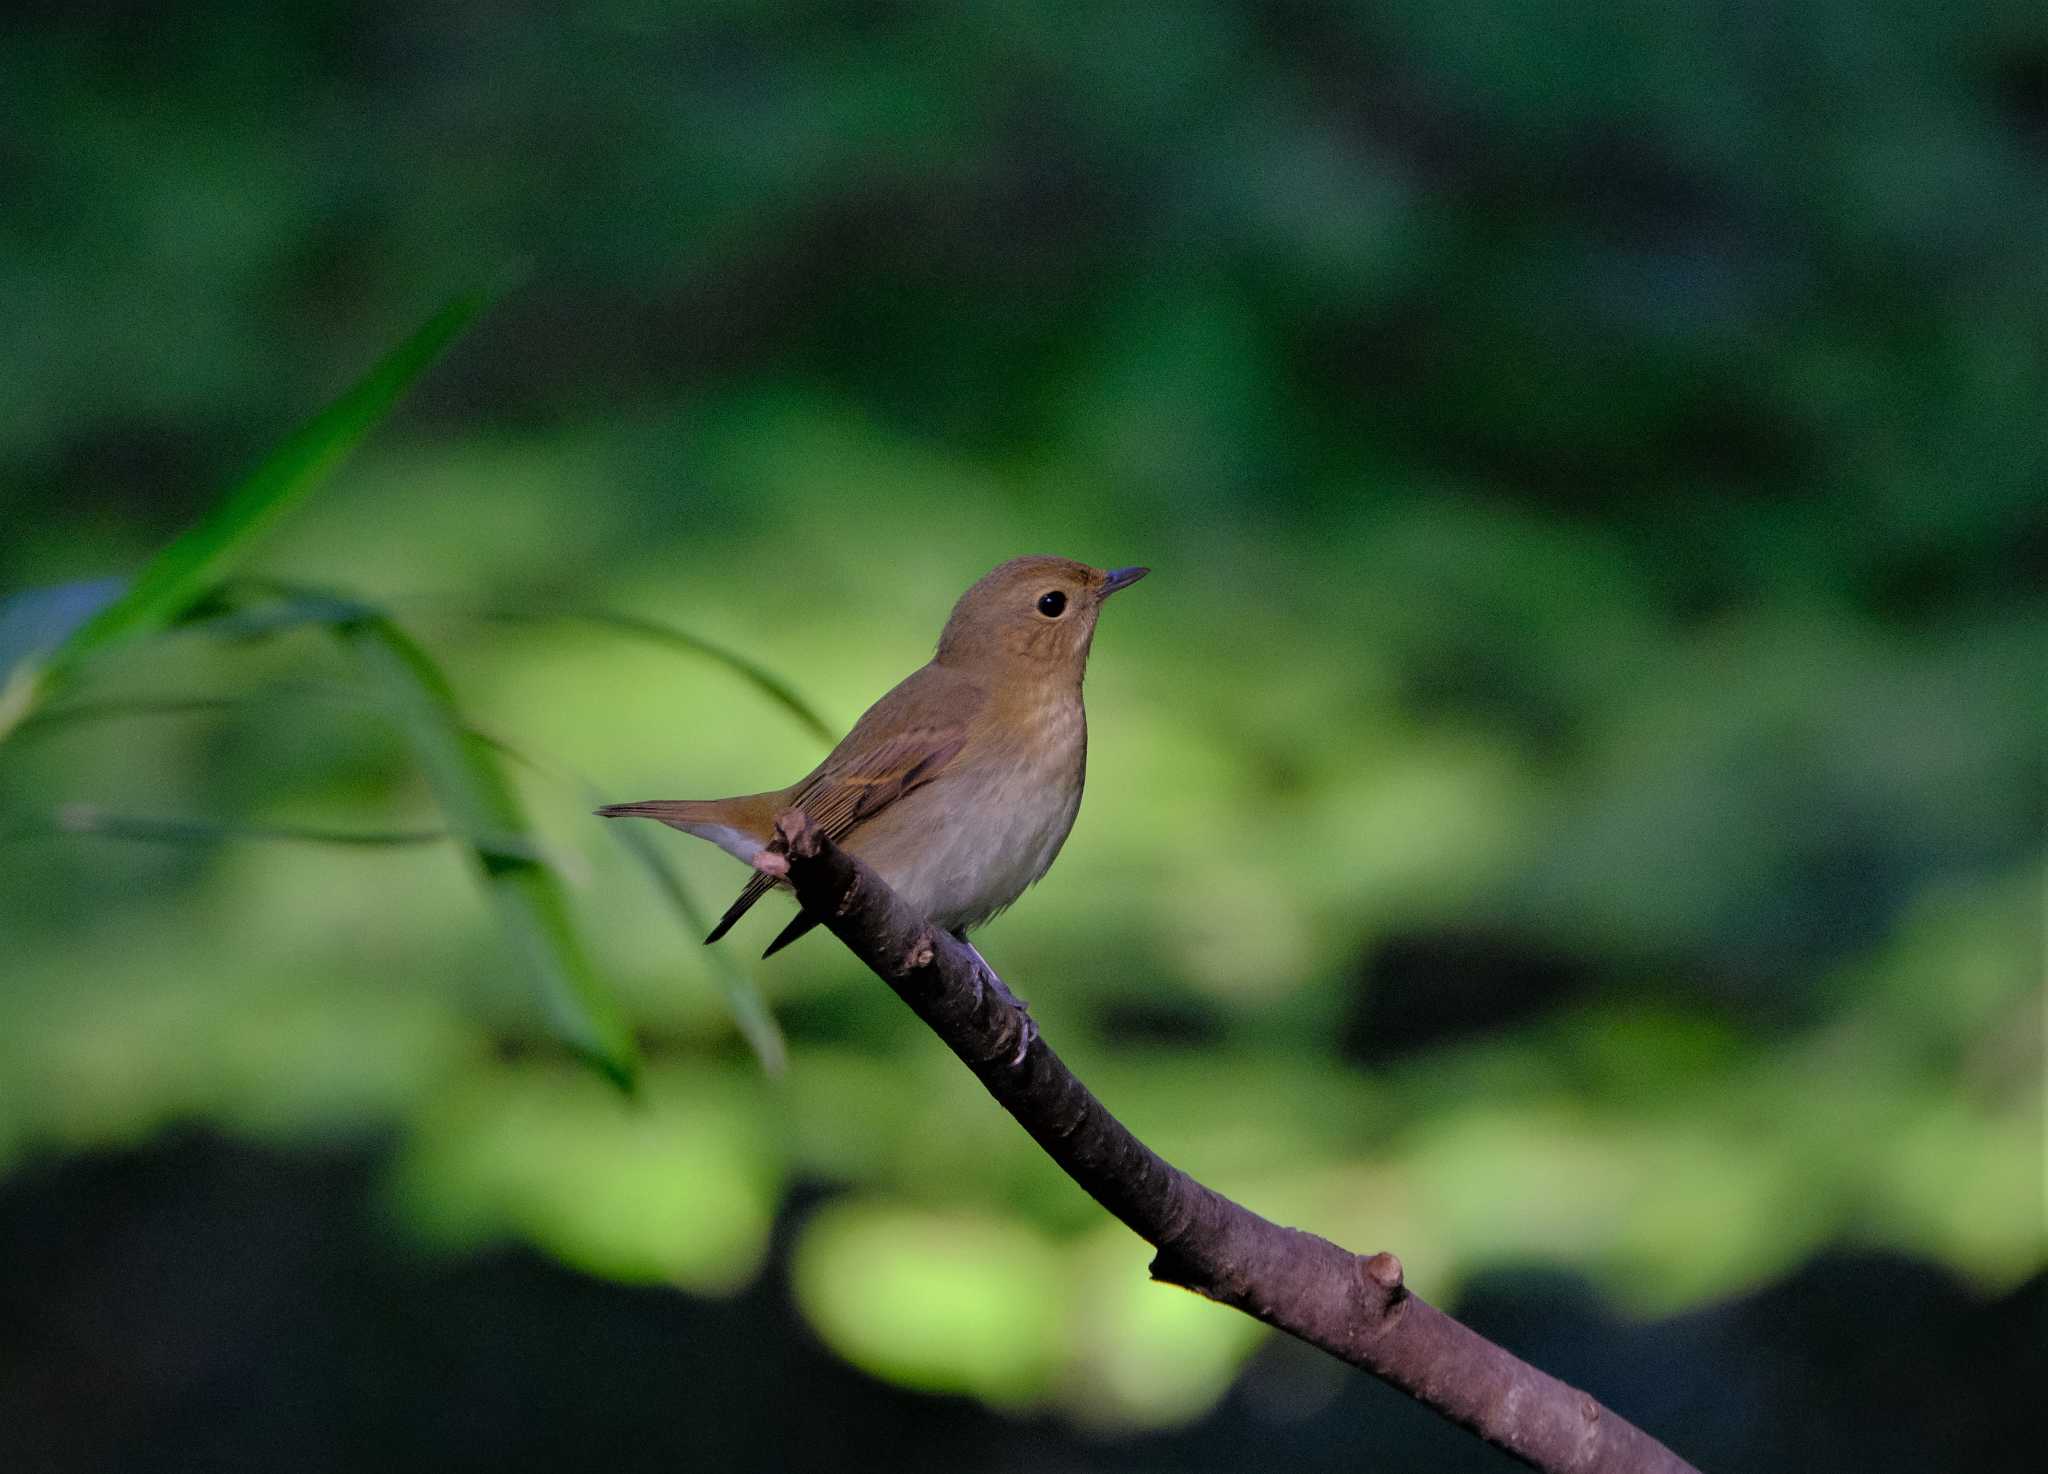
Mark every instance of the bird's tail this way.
pixel 676 811
pixel 739 826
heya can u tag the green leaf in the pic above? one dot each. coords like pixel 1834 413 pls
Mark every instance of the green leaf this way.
pixel 184 570
pixel 464 776
pixel 750 1011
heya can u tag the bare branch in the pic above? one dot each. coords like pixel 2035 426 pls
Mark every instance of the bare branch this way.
pixel 1357 1308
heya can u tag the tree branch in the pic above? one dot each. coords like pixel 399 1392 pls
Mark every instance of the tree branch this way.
pixel 1355 1307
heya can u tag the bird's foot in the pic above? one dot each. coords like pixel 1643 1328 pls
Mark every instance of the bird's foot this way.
pixel 987 977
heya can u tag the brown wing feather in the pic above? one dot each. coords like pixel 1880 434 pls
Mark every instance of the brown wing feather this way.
pixel 838 800
pixel 867 771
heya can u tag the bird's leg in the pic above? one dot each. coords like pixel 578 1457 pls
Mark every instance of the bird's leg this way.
pixel 987 976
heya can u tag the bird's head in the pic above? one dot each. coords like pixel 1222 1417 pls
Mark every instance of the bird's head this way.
pixel 1031 616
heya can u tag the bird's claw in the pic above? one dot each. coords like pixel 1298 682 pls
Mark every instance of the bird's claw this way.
pixel 986 977
pixel 1026 1036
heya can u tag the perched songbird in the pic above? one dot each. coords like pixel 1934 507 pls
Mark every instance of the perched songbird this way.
pixel 959 786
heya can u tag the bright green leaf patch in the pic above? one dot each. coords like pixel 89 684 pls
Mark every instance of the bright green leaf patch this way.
pixel 950 1302
pixel 670 636
pixel 680 1190
pixel 1142 1354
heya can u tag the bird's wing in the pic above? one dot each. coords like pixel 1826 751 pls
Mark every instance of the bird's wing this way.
pixel 839 797
pixel 900 744
pixel 889 752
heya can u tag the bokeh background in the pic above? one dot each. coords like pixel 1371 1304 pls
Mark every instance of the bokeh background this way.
pixel 1567 806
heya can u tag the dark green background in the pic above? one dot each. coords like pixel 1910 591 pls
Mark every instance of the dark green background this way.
pixel 1566 806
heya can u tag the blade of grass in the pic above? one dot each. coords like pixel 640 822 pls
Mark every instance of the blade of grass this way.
pixel 183 571
pixel 760 677
pixel 119 708
pixel 90 819
pixel 750 1011
pixel 464 777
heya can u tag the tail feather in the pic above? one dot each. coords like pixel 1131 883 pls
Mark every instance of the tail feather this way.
pixel 677 811
pixel 739 826
pixel 800 923
pixel 756 888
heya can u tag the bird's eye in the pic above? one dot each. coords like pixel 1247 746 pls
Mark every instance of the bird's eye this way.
pixel 1052 605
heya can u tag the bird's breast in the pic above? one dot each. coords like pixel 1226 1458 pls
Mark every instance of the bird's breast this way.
pixel 966 845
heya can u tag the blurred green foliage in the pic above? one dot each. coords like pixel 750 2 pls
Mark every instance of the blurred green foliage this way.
pixel 1570 792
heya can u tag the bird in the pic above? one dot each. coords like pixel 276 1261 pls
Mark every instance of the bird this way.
pixel 960 785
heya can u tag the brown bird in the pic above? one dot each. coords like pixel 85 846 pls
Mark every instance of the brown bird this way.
pixel 959 786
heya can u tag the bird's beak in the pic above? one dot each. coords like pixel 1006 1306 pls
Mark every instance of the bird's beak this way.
pixel 1121 578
